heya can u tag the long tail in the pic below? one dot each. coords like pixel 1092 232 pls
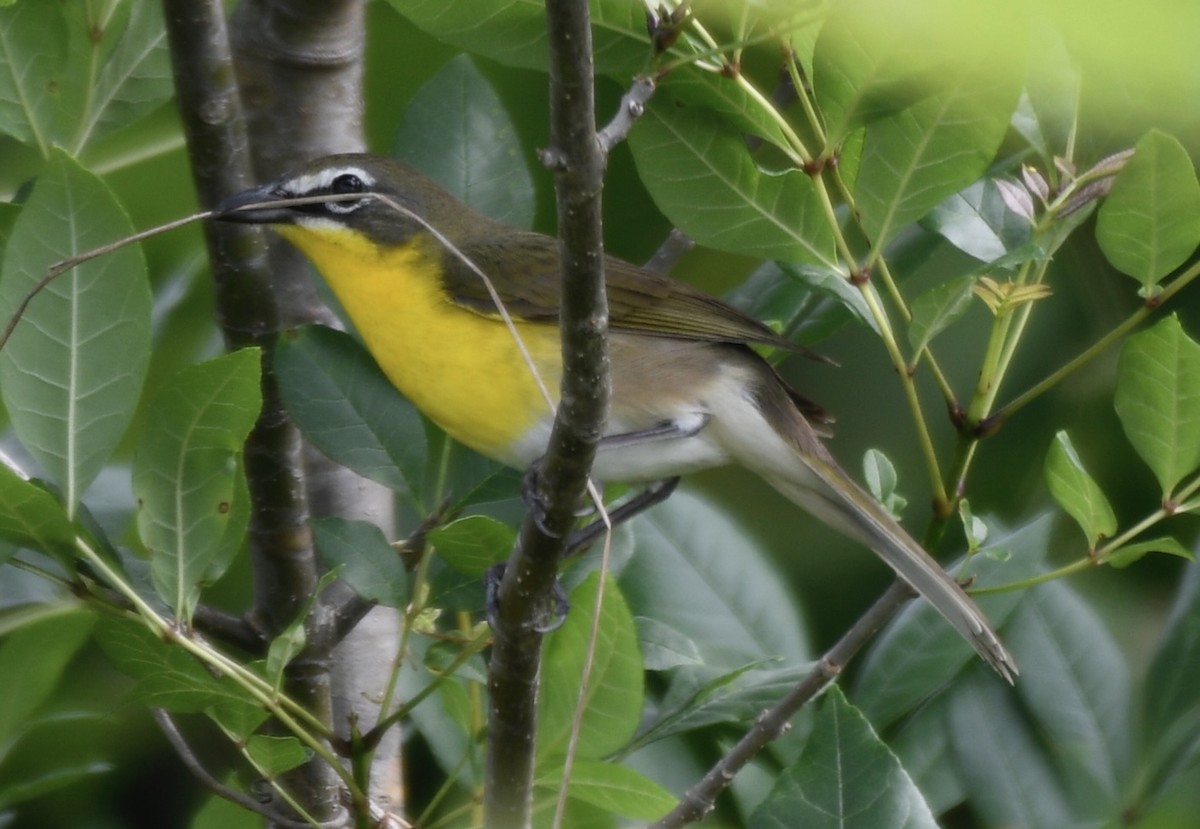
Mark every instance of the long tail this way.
pixel 822 488
pixel 787 452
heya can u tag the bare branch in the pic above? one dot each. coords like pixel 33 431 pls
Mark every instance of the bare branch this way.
pixel 525 597
pixel 699 800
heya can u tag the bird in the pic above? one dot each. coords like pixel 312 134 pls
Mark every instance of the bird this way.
pixel 689 391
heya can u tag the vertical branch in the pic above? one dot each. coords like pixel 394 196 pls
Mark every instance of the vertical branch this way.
pixel 286 52
pixel 248 313
pixel 525 597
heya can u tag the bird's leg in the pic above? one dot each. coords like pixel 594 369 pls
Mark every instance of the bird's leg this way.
pixel 667 430
pixel 654 493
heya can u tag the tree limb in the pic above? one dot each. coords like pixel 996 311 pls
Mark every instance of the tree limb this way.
pixel 700 799
pixel 525 598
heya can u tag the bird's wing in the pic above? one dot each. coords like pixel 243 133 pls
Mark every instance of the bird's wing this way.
pixel 639 301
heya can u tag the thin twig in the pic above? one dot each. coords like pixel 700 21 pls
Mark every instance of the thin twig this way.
pixel 700 799
pixel 193 764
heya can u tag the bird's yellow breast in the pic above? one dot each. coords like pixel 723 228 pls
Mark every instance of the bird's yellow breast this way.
pixel 461 368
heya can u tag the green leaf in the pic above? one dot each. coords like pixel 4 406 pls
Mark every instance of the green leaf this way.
pixel 1172 711
pixel 292 640
pixel 33 517
pixel 916 158
pixel 864 72
pixel 938 308
pixel 275 755
pixel 71 374
pixel 977 222
pixel 185 471
pixel 988 731
pixel 728 98
pixel 619 37
pixel 33 659
pixel 1130 553
pixel 612 701
pixel 701 175
pixel 167 676
pixel 846 777
pixel 1076 491
pixel 33 54
pixel 1150 222
pixel 781 296
pixel 368 563
pixel 734 608
pixel 833 284
pixel 613 788
pixel 134 79
pixel 700 697
pixel 663 647
pixel 1158 400
pixel 348 409
pixel 477 155
pixel 881 480
pixel 1072 725
pixel 16 791
pixel 473 544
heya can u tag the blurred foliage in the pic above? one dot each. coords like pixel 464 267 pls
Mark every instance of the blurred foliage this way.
pixel 980 173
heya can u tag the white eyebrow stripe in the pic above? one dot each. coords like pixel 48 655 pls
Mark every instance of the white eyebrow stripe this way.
pixel 323 179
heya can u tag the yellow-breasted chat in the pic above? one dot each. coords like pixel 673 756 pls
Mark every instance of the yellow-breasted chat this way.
pixel 688 391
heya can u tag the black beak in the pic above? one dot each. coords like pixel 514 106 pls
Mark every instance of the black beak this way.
pixel 243 207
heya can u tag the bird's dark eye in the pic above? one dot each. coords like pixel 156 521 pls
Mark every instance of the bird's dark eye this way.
pixel 347 183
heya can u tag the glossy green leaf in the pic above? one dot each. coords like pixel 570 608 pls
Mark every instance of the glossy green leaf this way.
pixel 700 696
pixel 166 676
pixel 611 787
pixel 71 375
pixel 1071 727
pixel 185 471
pixel 33 659
pixel 937 309
pixel 701 175
pixel 612 701
pixel 1150 222
pixel 846 778
pixel 977 221
pixel 663 647
pixel 368 563
pixel 865 72
pixel 33 517
pixel 348 409
pixel 1079 689
pixel 780 296
pixel 477 155
pixel 292 640
pixel 619 36
pixel 275 755
pixel 1076 491
pixel 1172 711
pixel 33 53
pixel 916 158
pixel 735 608
pixel 880 476
pixel 134 77
pixel 1130 553
pixel 1158 400
pixel 728 98
pixel 988 730
pixel 835 285
pixel 473 544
